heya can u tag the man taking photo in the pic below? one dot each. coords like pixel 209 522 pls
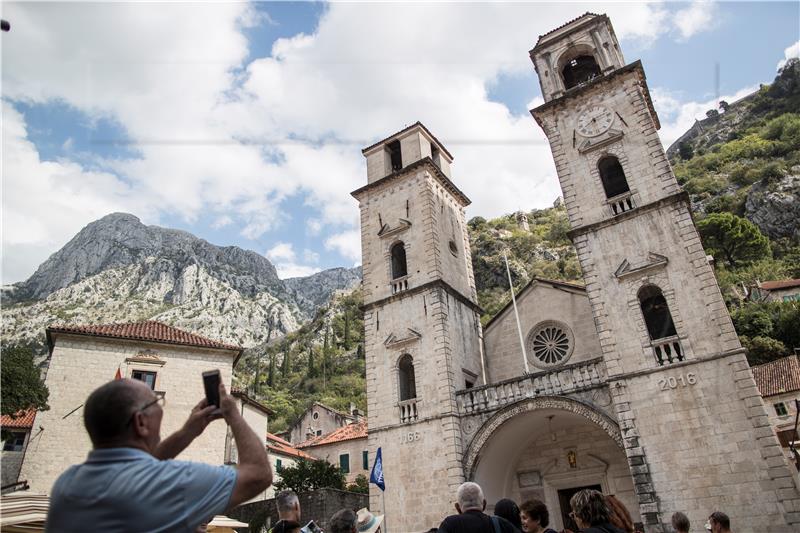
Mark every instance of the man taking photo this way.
pixel 129 483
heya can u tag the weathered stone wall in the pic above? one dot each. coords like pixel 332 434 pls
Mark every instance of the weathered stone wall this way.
pixel 319 506
pixel 80 364
pixel 540 302
pixel 325 421
pixel 353 447
pixel 704 443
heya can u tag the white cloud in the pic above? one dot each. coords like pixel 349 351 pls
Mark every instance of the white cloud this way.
pixel 347 243
pixel 221 222
pixel 789 53
pixel 214 134
pixel 282 251
pixel 677 116
pixel 696 17
pixel 283 256
pixel 46 202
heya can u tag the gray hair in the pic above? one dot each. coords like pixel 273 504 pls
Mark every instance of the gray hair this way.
pixel 344 521
pixel 470 496
pixel 285 501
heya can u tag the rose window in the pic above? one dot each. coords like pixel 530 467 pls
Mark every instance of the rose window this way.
pixel 550 343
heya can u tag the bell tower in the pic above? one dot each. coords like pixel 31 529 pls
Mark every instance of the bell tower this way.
pixel 695 429
pixel 422 324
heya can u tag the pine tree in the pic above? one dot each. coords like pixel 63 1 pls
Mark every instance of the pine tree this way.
pixel 311 370
pixel 271 376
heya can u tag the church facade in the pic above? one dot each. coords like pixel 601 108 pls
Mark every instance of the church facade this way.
pixel 634 384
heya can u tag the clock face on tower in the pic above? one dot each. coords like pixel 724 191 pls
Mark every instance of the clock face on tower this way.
pixel 596 120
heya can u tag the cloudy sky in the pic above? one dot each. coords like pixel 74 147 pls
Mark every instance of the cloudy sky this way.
pixel 243 123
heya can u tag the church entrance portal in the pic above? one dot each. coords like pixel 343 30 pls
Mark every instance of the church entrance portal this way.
pixel 549 453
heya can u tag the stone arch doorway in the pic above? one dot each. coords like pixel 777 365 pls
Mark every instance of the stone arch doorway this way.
pixel 546 448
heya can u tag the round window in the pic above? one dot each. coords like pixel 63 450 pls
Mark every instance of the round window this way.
pixel 550 343
pixel 315 416
pixel 453 248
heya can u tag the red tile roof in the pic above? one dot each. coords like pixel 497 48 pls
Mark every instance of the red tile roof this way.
pixel 148 330
pixel 775 285
pixel 23 420
pixel 275 444
pixel 779 376
pixel 357 430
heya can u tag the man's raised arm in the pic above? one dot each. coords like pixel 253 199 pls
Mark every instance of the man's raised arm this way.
pixel 254 473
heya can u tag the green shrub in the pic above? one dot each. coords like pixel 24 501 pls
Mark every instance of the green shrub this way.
pixel 762 350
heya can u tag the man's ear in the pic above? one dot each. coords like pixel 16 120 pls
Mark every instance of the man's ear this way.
pixel 140 428
pixel 484 505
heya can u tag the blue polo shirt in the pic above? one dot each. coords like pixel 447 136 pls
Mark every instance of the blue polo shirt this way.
pixel 125 489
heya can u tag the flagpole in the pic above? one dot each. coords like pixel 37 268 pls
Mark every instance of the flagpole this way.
pixel 516 314
pixel 385 528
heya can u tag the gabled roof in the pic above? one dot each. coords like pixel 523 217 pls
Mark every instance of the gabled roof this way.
pixel 245 398
pixel 275 444
pixel 779 376
pixel 148 330
pixel 23 420
pixel 776 285
pixel 356 430
pixel 552 282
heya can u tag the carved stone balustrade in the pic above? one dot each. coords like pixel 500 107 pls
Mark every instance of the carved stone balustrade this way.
pixel 559 381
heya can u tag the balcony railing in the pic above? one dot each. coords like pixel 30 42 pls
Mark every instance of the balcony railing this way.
pixel 668 350
pixel 399 284
pixel 621 203
pixel 569 378
pixel 408 411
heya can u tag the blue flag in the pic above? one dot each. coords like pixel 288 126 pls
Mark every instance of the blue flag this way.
pixel 376 477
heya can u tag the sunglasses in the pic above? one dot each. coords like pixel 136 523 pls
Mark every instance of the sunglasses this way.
pixel 160 400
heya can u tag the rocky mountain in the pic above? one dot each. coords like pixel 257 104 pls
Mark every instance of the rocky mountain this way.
pixel 118 269
pixel 745 157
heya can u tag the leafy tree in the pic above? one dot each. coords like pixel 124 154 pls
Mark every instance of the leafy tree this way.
pixel 724 106
pixel 712 113
pixel 685 150
pixel 763 349
pixel 737 239
pixel 308 475
pixel 22 386
pixel 360 486
pixel 753 320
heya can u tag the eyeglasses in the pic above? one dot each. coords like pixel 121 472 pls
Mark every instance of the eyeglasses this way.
pixel 160 400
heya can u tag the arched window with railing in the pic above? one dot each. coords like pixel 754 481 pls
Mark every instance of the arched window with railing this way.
pixel 399 267
pixel 579 69
pixel 612 176
pixel 660 327
pixel 408 383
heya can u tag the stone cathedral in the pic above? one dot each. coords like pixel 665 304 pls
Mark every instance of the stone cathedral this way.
pixel 634 384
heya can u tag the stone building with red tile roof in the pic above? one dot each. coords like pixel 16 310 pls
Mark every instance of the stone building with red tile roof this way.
pixel 779 384
pixel 319 419
pixel 787 290
pixel 82 358
pixel 281 455
pixel 345 447
pixel 16 433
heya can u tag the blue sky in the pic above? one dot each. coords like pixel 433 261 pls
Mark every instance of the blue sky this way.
pixel 243 123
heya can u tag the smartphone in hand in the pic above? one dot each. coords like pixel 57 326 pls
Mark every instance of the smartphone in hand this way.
pixel 211 381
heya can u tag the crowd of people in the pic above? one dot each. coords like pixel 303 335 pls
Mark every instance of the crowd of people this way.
pixel 126 483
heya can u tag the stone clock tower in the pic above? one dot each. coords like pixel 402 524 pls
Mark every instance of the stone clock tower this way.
pixel 422 327
pixel 694 426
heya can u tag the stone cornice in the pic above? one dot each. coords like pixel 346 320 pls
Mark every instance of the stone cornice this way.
pixel 443 180
pixel 435 284
pixel 681 196
pixel 635 67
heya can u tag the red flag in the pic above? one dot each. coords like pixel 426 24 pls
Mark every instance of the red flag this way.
pixel 118 375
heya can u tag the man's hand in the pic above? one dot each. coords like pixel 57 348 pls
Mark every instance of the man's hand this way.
pixel 202 414
pixel 227 404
